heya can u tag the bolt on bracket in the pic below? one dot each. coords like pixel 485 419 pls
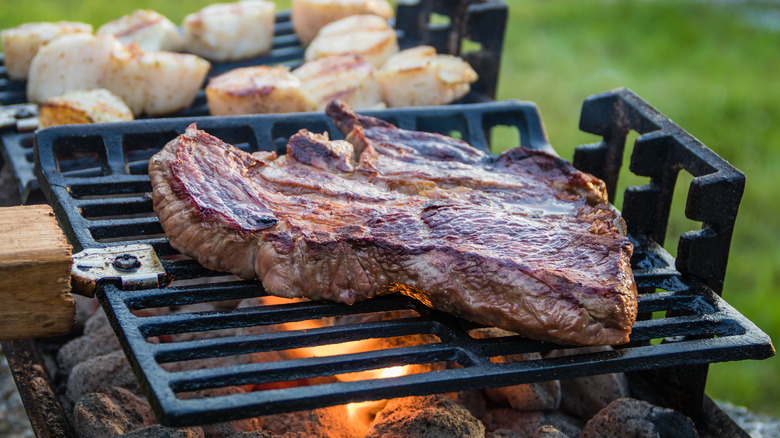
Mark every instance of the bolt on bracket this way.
pixel 22 117
pixel 133 266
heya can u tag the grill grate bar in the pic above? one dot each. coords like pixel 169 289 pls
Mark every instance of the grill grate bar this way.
pixel 695 325
pixel 234 318
pixel 102 229
pixel 174 296
pixel 97 208
pixel 185 269
pixel 309 368
pixel 659 301
pixel 293 339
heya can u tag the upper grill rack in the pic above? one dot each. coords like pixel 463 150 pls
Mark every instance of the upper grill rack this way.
pixel 471 23
pixel 102 200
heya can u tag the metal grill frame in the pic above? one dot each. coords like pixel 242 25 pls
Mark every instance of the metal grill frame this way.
pixel 477 21
pixel 683 321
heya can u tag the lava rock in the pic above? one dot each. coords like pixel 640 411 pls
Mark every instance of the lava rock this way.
pixel 159 431
pixel 537 396
pixel 108 370
pixel 317 423
pixel 631 418
pixel 474 401
pixel 542 432
pixel 583 397
pixel 109 412
pixel 219 430
pixel 85 308
pixel 258 434
pixel 526 397
pixel 425 417
pixel 548 431
pixel 98 339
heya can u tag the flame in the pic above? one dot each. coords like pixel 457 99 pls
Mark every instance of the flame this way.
pixel 364 412
pixel 393 372
pixel 361 412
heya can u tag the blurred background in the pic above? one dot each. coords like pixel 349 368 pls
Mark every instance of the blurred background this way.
pixel 711 66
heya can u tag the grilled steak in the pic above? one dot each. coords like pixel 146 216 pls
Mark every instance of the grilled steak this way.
pixel 522 241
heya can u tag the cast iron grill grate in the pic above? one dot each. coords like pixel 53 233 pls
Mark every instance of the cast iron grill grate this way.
pixel 474 30
pixel 102 200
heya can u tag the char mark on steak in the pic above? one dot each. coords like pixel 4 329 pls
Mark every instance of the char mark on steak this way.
pixel 522 241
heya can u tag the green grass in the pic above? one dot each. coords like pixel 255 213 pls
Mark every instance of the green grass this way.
pixel 709 66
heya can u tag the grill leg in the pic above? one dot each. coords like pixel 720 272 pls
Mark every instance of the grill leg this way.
pixel 680 388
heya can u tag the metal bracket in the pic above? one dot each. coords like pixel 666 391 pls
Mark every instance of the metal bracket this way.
pixel 23 117
pixel 134 266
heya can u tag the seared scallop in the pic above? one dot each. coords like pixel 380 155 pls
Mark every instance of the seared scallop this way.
pixel 344 77
pixel 70 62
pixel 21 43
pixel 85 106
pixel 147 28
pixel 230 31
pixel 366 35
pixel 256 90
pixel 420 77
pixel 155 83
pixel 309 16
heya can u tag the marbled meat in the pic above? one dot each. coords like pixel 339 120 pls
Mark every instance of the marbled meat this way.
pixel 522 241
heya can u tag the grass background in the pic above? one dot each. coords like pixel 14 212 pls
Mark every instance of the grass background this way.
pixel 711 66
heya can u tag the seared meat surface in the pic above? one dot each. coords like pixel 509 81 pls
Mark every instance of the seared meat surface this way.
pixel 522 241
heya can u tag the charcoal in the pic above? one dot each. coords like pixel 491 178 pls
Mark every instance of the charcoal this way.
pixel 632 418
pixel 425 417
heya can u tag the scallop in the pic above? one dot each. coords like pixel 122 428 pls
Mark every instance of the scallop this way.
pixel 231 31
pixel 155 83
pixel 369 36
pixel 309 16
pixel 150 30
pixel 84 106
pixel 348 78
pixel 70 62
pixel 421 77
pixel 21 43
pixel 257 90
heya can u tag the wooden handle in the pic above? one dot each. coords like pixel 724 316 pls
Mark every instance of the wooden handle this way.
pixel 35 261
